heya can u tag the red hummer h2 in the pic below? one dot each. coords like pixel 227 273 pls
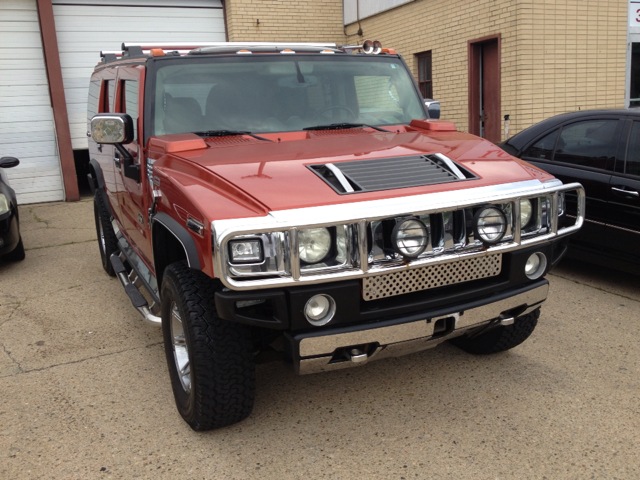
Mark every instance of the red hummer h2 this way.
pixel 296 201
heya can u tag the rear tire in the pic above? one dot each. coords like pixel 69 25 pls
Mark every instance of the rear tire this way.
pixel 16 254
pixel 500 339
pixel 107 241
pixel 210 360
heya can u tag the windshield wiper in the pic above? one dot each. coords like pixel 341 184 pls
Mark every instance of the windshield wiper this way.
pixel 224 133
pixel 337 126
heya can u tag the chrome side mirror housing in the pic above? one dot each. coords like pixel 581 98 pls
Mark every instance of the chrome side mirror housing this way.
pixel 433 107
pixel 112 128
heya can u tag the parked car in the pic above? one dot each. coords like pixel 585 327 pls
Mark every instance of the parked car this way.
pixel 297 200
pixel 601 150
pixel 11 247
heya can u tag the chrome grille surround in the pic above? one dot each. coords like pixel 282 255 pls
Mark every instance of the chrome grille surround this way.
pixel 431 276
pixel 359 215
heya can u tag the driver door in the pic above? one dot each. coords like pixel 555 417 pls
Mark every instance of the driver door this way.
pixel 132 202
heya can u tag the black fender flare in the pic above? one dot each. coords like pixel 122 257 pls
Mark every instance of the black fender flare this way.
pixel 97 183
pixel 182 235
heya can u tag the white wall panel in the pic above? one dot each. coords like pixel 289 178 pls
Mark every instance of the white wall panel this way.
pixel 84 28
pixel 26 117
pixel 367 8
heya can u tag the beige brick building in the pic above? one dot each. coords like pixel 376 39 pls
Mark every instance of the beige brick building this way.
pixel 554 56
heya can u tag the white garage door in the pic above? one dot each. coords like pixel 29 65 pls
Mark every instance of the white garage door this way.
pixel 26 117
pixel 85 27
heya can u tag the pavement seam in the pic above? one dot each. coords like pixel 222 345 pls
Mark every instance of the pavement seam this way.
pixel 595 288
pixel 23 371
pixel 61 244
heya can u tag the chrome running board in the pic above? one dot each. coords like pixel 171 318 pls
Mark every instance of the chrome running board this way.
pixel 130 288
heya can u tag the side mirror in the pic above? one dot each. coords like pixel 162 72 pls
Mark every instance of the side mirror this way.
pixel 433 107
pixel 9 162
pixel 112 128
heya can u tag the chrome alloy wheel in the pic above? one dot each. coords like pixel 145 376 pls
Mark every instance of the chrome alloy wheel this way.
pixel 180 349
pixel 103 242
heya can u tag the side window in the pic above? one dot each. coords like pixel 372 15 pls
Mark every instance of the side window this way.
pixel 130 103
pixel 590 143
pixel 108 92
pixel 543 149
pixel 632 166
pixel 92 100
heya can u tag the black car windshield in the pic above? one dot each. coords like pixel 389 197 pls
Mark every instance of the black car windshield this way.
pixel 278 93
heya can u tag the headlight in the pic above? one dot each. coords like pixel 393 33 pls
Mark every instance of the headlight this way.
pixel 246 251
pixel 491 224
pixel 313 244
pixel 4 204
pixel 526 210
pixel 410 237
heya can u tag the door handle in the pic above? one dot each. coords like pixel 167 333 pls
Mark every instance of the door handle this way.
pixel 116 158
pixel 632 193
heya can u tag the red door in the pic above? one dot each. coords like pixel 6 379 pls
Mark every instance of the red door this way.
pixel 484 88
pixel 133 204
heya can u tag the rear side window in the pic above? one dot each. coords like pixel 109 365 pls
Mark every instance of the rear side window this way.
pixel 92 100
pixel 543 149
pixel 591 143
pixel 130 103
pixel 632 166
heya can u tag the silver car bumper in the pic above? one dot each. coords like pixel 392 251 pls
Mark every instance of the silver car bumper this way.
pixel 321 353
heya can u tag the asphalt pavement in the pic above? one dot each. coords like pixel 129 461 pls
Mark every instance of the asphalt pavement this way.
pixel 85 392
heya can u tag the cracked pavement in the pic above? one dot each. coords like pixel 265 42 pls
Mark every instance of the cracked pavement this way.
pixel 84 390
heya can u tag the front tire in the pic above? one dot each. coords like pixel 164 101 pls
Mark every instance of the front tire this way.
pixel 500 339
pixel 210 360
pixel 17 254
pixel 107 240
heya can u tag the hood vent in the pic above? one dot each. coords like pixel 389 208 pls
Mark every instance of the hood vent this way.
pixel 390 173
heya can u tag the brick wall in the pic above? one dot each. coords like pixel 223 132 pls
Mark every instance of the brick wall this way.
pixel 285 20
pixel 557 55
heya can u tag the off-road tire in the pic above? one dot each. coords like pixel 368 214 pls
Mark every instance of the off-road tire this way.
pixel 16 254
pixel 222 369
pixel 500 339
pixel 107 241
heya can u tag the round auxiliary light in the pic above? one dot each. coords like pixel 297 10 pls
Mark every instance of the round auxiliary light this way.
pixel 319 310
pixel 535 266
pixel 377 47
pixel 367 46
pixel 409 237
pixel 313 244
pixel 490 224
pixel 526 211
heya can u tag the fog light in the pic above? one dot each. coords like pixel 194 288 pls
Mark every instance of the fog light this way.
pixel 319 310
pixel 410 237
pixel 535 266
pixel 490 224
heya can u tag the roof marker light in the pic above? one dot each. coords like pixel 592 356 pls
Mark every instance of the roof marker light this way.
pixel 287 50
pixel 244 52
pixel 328 51
pixel 157 52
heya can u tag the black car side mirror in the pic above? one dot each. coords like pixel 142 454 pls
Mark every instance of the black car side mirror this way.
pixel 9 162
pixel 433 106
pixel 116 129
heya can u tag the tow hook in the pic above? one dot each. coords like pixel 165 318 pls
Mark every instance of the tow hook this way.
pixel 357 356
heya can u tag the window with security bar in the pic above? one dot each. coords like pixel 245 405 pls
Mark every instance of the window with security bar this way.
pixel 424 74
pixel 634 83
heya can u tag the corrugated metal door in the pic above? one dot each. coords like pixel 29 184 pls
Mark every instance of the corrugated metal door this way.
pixel 85 27
pixel 26 118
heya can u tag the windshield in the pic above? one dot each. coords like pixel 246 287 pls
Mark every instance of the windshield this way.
pixel 269 93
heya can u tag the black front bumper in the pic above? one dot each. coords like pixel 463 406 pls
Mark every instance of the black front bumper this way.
pixel 9 231
pixel 283 308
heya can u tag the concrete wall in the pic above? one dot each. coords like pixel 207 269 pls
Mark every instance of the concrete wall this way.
pixel 285 20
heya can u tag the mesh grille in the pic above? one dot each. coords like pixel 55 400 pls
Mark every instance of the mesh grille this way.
pixel 431 276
